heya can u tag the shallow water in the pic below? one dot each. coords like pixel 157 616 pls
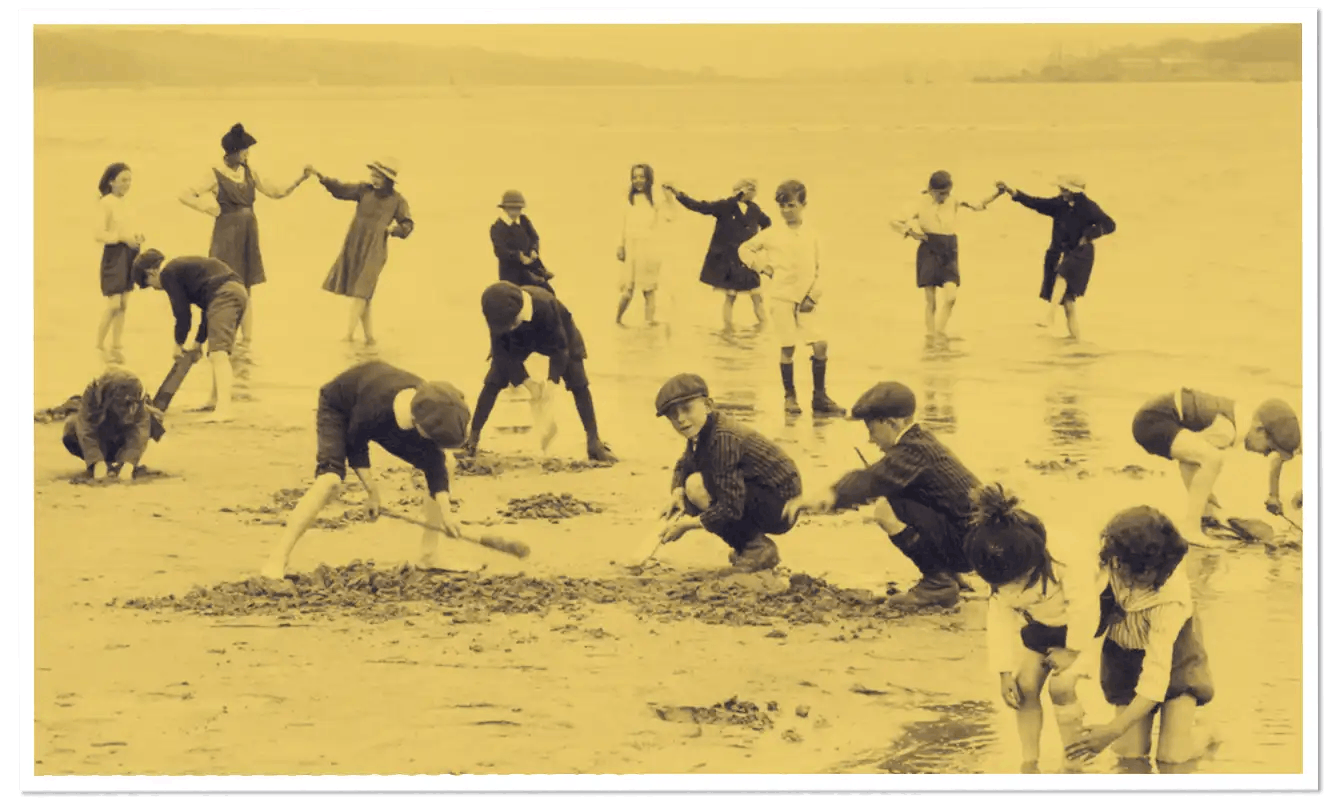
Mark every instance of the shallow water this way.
pixel 1200 285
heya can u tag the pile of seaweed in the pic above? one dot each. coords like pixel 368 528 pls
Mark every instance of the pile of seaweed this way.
pixel 729 712
pixel 486 464
pixel 548 506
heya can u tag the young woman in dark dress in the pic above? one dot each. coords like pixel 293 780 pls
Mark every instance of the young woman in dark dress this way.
pixel 739 219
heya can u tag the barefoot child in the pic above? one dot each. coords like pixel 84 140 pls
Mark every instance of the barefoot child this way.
pixel 527 320
pixel 1193 428
pixel 120 242
pixel 921 490
pixel 112 425
pixel 218 291
pixel 1042 615
pixel 934 222
pixel 640 248
pixel 412 419
pixel 731 480
pixel 517 245
pixel 1153 657
pixel 738 219
pixel 789 254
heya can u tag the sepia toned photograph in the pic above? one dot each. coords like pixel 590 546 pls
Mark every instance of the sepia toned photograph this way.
pixel 925 397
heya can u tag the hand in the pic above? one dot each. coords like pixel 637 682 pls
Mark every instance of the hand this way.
pixel 373 504
pixel 669 188
pixel 526 259
pixel 450 525
pixel 390 229
pixel 1274 506
pixel 127 472
pixel 1059 659
pixel 1092 742
pixel 1001 188
pixel 676 529
pixel 1009 690
pixel 177 351
pixel 1083 240
pixel 471 445
pixel 796 505
pixel 99 471
pixel 619 254
pixel 192 347
pixel 676 507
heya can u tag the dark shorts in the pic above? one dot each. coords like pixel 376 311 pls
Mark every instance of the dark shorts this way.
pixel 763 514
pixel 224 315
pixel 1120 670
pixel 937 261
pixel 931 540
pixel 505 371
pixel 1041 638
pixel 331 452
pixel 1156 424
pixel 1074 265
pixel 115 269
pixel 110 448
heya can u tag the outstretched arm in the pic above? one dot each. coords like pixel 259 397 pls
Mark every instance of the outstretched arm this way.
pixel 275 192
pixel 338 189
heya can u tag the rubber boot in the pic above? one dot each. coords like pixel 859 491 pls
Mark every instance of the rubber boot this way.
pixel 822 404
pixel 789 385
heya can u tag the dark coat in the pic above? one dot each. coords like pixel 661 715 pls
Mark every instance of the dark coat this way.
pixel 509 243
pixel 549 332
pixel 722 267
pixel 1070 223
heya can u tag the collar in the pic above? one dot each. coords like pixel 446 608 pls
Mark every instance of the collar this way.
pixel 400 405
pixel 903 433
pixel 709 427
pixel 506 220
pixel 527 307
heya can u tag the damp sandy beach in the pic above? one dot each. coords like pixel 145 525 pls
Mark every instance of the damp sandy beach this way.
pixel 568 662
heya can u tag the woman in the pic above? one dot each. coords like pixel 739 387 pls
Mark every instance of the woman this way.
pixel 1076 222
pixel 382 212
pixel 640 249
pixel 120 242
pixel 739 219
pixel 231 191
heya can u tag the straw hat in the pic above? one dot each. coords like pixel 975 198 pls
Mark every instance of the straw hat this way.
pixel 1071 183
pixel 390 167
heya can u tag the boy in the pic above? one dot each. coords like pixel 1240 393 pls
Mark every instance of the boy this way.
pixel 731 480
pixel 410 418
pixel 112 425
pixel 517 245
pixel 218 291
pixel 524 320
pixel 789 254
pixel 1193 428
pixel 923 491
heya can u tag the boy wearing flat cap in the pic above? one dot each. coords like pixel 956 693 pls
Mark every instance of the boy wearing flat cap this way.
pixel 524 320
pixel 1193 428
pixel 922 492
pixel 412 419
pixel 731 480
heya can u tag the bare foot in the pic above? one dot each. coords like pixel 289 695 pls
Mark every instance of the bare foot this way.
pixel 370 342
pixel 274 572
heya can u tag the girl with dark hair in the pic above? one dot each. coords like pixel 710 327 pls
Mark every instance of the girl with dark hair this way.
pixel 113 425
pixel 1042 615
pixel 640 249
pixel 382 212
pixel 121 240
pixel 1154 659
pixel 228 194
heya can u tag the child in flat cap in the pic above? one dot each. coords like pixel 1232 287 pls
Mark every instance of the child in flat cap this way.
pixel 412 419
pixel 1193 428
pixel 923 494
pixel 732 481
pixel 524 320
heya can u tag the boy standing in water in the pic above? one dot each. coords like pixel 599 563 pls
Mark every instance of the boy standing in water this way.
pixel 524 320
pixel 934 222
pixel 1193 428
pixel 731 480
pixel 213 286
pixel 789 254
pixel 923 495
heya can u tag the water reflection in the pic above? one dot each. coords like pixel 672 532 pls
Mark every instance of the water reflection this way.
pixel 1068 423
pixel 937 404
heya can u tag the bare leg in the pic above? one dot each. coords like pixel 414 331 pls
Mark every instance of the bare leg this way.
pixel 109 315
pixel 1180 740
pixel 624 300
pixel 432 514
pixel 1206 462
pixel 302 517
pixel 759 314
pixel 223 387
pixel 649 297
pixel 1136 741
pixel 355 317
pixel 930 310
pixel 945 297
pixel 695 490
pixel 247 316
pixel 883 516
pixel 1072 318
pixel 1069 712
pixel 728 312
pixel 1188 473
pixel 368 337
pixel 1032 672
pixel 1058 292
pixel 119 327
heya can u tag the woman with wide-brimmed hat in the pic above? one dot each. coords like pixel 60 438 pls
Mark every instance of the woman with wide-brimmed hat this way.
pixel 382 212
pixel 228 194
pixel 1076 222
pixel 517 245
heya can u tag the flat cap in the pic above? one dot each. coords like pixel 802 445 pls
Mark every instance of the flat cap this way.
pixel 684 386
pixel 888 400
pixel 501 303
pixel 441 410
pixel 1281 424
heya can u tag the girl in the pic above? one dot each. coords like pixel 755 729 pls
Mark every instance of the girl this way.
pixel 640 249
pixel 112 425
pixel 1153 656
pixel 1041 615
pixel 381 213
pixel 933 222
pixel 739 219
pixel 228 194
pixel 120 242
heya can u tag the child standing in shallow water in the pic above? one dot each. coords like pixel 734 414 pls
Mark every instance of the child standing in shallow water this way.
pixel 1042 615
pixel 121 241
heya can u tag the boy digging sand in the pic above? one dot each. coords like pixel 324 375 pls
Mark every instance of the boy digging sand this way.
pixel 789 254
pixel 923 495
pixel 410 418
pixel 218 291
pixel 731 480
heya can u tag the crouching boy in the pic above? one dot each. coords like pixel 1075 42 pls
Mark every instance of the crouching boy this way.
pixel 731 480
pixel 412 419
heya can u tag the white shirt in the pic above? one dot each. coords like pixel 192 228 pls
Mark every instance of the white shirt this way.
pixel 115 220
pixel 793 255
pixel 1154 619
pixel 929 216
pixel 1072 601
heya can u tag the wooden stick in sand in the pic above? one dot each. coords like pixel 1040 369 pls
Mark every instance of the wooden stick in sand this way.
pixel 508 546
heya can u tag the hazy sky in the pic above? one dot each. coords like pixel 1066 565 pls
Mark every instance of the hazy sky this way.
pixel 764 50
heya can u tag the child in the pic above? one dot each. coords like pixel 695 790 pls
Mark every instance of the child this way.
pixel 213 286
pixel 1041 616
pixel 933 222
pixel 112 425
pixel 1193 427
pixel 640 249
pixel 1153 657
pixel 1076 222
pixel 790 256
pixel 922 493
pixel 731 480
pixel 381 213
pixel 410 418
pixel 527 320
pixel 120 242
pixel 517 245
pixel 738 219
